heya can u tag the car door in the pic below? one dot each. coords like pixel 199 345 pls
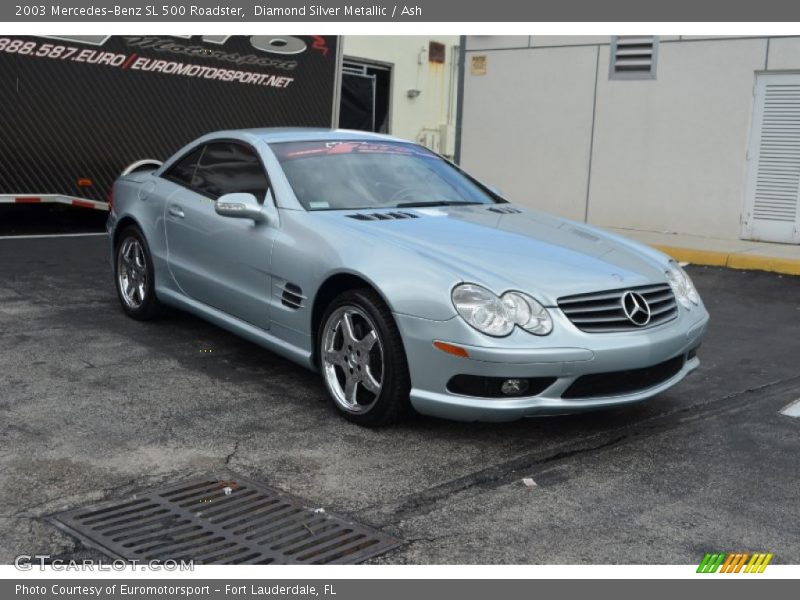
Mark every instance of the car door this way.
pixel 220 261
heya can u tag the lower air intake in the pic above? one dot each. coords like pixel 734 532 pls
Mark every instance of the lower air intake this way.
pixel 618 383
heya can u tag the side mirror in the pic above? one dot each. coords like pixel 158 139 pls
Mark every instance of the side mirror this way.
pixel 239 206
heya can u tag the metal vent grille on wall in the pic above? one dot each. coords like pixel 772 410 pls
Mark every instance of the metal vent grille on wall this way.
pixel 772 203
pixel 633 57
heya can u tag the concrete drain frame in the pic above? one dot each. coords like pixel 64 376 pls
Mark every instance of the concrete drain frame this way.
pixel 221 519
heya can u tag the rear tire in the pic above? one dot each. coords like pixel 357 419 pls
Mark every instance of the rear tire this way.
pixel 362 359
pixel 135 276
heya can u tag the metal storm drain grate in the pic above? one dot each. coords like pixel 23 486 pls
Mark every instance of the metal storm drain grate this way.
pixel 222 520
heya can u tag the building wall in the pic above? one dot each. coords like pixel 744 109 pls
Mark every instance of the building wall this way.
pixel 670 155
pixel 547 126
pixel 524 127
pixel 421 118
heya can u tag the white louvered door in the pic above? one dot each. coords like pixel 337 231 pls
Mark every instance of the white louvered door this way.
pixel 772 200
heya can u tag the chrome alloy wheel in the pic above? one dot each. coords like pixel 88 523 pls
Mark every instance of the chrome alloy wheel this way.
pixel 132 272
pixel 352 359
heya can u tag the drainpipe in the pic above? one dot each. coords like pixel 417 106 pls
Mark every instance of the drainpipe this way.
pixel 462 53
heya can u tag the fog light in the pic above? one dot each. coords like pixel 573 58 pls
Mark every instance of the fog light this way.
pixel 514 387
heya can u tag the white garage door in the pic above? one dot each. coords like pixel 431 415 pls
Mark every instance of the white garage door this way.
pixel 772 201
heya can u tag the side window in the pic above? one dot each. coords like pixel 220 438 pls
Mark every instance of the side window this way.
pixel 228 167
pixel 183 171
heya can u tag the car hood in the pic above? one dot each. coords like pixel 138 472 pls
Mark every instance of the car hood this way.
pixel 527 250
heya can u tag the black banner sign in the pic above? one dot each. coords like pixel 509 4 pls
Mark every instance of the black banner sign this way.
pixel 78 109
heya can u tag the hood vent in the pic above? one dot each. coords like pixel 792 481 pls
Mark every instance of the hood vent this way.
pixel 391 216
pixel 504 210
pixel 292 296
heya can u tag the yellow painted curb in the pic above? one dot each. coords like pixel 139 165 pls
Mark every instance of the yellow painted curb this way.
pixel 711 258
pixel 733 260
pixel 789 266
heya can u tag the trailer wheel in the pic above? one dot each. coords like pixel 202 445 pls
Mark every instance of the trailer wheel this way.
pixel 135 276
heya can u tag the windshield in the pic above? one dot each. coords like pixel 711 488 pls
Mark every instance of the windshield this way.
pixel 328 175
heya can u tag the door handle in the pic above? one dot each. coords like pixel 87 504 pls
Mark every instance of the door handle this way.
pixel 176 211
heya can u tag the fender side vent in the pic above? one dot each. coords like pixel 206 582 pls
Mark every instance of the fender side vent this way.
pixel 505 210
pixel 292 296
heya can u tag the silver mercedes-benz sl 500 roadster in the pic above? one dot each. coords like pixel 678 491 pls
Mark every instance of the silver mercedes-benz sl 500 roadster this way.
pixel 400 278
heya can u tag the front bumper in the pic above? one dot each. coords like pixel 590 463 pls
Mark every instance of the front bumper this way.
pixel 566 355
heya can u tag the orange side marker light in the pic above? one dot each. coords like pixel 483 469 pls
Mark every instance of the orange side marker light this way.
pixel 451 349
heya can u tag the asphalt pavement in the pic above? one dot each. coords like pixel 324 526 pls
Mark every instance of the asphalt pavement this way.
pixel 94 405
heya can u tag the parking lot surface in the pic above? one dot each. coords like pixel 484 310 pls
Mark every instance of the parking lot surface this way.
pixel 94 405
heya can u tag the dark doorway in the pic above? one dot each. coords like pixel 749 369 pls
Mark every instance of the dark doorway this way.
pixel 365 96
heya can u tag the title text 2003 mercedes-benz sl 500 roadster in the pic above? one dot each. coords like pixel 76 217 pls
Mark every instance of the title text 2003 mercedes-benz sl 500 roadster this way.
pixel 401 279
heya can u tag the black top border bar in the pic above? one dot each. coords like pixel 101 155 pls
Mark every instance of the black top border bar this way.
pixel 485 11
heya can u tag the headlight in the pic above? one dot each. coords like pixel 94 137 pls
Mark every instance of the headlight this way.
pixel 682 285
pixel 482 309
pixel 527 313
pixel 497 316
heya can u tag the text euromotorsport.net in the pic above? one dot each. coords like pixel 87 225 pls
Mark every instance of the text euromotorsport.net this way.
pixel 171 67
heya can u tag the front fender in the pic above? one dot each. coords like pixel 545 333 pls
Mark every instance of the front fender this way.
pixel 308 252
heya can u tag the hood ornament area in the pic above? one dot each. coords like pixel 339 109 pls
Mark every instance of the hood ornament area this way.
pixel 636 308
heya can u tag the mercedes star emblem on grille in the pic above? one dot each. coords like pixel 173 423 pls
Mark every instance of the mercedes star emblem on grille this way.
pixel 636 308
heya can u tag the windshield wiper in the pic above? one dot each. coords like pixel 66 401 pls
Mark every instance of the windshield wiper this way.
pixel 435 203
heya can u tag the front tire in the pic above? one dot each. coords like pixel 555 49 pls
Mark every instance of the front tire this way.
pixel 362 359
pixel 134 275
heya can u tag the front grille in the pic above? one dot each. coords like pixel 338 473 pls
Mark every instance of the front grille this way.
pixel 602 312
pixel 616 383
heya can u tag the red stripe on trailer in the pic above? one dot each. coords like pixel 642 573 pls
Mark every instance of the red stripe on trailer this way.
pixel 84 204
pixel 56 199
